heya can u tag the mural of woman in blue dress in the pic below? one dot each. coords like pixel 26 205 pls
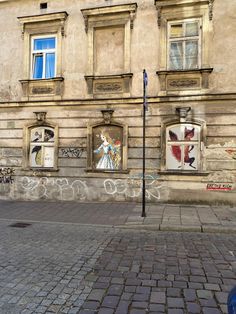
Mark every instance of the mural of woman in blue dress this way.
pixel 110 159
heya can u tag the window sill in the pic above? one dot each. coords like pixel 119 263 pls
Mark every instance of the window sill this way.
pixel 175 81
pixel 39 89
pixel 109 85
pixel 184 173
pixel 106 171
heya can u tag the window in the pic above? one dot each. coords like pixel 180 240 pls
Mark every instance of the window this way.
pixel 184 45
pixel 185 32
pixel 43 57
pixel 183 147
pixel 109 34
pixel 41 152
pixel 107 145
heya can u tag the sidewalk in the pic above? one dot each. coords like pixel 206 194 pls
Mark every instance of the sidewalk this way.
pixel 164 217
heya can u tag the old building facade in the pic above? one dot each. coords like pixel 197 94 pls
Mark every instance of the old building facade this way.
pixel 71 95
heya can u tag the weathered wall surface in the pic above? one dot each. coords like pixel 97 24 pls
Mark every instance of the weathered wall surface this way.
pixel 77 110
pixel 72 181
pixel 144 46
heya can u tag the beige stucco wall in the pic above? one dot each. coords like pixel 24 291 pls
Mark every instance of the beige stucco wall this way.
pixel 77 110
pixel 144 46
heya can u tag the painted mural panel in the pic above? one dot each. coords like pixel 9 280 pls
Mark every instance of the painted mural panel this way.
pixel 42 147
pixel 107 147
pixel 182 149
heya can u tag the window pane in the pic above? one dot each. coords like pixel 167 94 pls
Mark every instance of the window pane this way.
pixel 50 65
pixel 192 29
pixel 173 157
pixel 37 135
pixel 191 54
pixel 190 157
pixel 190 133
pixel 176 55
pixel 38 67
pixel 176 30
pixel 48 157
pixel 36 156
pixel 44 43
pixel 49 135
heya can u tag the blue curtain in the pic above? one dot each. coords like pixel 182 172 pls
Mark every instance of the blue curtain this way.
pixel 50 65
pixel 38 67
pixel 44 43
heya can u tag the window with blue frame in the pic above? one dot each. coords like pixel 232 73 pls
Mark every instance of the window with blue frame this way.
pixel 43 57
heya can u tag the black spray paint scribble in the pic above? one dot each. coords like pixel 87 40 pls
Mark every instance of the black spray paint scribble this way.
pixel 72 152
pixel 6 175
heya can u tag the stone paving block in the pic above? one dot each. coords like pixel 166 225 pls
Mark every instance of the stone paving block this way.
pixel 157 308
pixel 212 286
pixel 208 310
pixel 221 297
pixel 137 311
pixel 207 302
pixel 175 302
pixel 91 305
pixel 110 301
pixel 158 297
pixel 175 311
pixel 105 311
pixel 140 297
pixel 190 295
pixel 96 295
pixel 193 308
pixel 115 290
pixel 139 305
pixel 204 294
pixel 173 292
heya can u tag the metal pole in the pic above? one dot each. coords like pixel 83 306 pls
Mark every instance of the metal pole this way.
pixel 144 135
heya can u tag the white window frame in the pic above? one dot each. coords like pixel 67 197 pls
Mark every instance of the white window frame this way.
pixel 184 39
pixel 43 144
pixel 182 144
pixel 43 52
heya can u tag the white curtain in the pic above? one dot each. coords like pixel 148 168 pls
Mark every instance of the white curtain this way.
pixel 176 56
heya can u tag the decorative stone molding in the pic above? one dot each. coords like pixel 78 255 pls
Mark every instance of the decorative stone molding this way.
pixel 166 4
pixel 107 115
pixel 102 79
pixel 43 88
pixel 35 23
pixel 112 85
pixel 125 11
pixel 40 116
pixel 183 112
pixel 172 82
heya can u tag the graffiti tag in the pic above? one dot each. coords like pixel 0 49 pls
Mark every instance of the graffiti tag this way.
pixel 6 175
pixel 72 152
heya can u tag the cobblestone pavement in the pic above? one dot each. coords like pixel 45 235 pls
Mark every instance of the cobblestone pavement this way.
pixel 68 268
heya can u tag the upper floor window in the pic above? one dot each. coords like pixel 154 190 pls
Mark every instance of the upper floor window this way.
pixel 184 44
pixel 43 57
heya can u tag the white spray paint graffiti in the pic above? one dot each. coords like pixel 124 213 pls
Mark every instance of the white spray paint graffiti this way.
pixel 50 188
pixel 132 187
